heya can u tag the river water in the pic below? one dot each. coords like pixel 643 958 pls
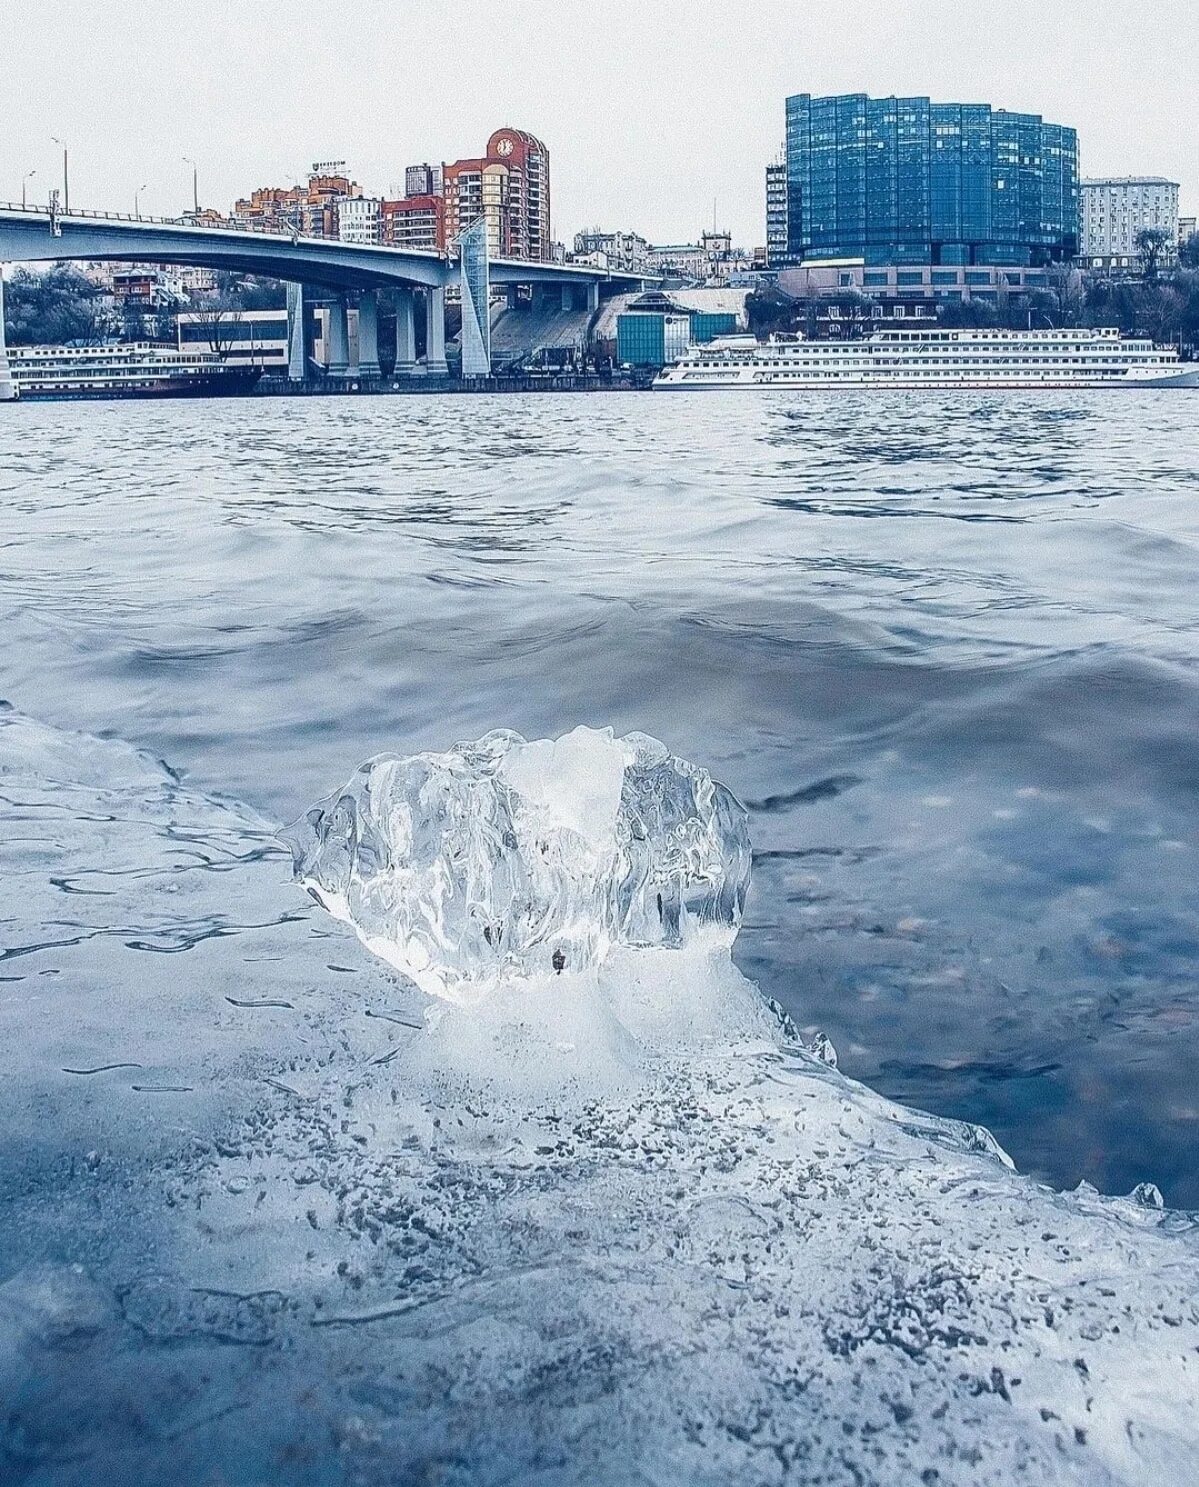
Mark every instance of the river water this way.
pixel 944 647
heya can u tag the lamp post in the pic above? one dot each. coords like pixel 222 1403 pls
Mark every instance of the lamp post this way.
pixel 25 179
pixel 137 199
pixel 187 160
pixel 66 187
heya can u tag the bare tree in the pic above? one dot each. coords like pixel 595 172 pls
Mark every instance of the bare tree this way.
pixel 1151 243
pixel 219 328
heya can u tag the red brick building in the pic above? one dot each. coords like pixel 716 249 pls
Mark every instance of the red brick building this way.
pixel 413 222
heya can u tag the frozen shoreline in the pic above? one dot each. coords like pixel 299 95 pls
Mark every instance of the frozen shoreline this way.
pixel 314 1245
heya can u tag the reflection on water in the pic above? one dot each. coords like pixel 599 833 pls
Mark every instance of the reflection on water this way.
pixel 945 646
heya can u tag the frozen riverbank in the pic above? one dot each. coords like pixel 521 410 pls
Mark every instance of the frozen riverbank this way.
pixel 262 1222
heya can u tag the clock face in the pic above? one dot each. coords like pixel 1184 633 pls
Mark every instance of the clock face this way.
pixel 504 147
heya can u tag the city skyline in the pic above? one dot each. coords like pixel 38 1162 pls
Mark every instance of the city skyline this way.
pixel 254 97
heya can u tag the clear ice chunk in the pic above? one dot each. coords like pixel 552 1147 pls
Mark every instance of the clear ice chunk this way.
pixel 504 859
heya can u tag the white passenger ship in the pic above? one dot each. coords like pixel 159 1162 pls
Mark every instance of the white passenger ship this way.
pixel 140 369
pixel 934 359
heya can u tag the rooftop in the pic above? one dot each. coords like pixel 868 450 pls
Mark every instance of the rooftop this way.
pixel 1128 181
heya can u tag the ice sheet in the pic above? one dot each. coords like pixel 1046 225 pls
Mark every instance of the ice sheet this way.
pixel 611 1227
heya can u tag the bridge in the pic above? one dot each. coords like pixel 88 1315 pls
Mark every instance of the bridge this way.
pixel 339 273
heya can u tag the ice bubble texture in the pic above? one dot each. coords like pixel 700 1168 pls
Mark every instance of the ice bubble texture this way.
pixel 505 859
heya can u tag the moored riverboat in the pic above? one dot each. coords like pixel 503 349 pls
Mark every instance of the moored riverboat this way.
pixel 928 360
pixel 139 369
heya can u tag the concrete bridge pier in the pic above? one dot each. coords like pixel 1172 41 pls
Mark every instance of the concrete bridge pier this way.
pixel 297 334
pixel 435 362
pixel 405 334
pixel 8 388
pixel 368 334
pixel 339 337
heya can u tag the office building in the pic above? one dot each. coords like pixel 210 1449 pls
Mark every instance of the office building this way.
pixel 841 277
pixel 413 222
pixel 908 181
pixel 776 213
pixel 1116 208
pixel 509 186
pixel 422 180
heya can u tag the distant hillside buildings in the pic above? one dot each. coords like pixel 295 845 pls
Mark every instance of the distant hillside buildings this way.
pixel 625 252
pixel 508 185
pixel 311 210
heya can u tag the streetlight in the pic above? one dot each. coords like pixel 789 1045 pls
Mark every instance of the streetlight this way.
pixel 187 160
pixel 137 199
pixel 66 189
pixel 28 176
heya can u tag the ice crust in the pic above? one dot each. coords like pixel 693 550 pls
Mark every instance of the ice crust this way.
pixel 504 858
pixel 264 1221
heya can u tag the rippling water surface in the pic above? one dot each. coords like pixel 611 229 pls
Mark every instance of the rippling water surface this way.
pixel 944 647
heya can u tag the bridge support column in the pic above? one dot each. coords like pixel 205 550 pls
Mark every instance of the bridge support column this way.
pixel 435 362
pixel 368 334
pixel 339 338
pixel 568 296
pixel 8 388
pixel 593 295
pixel 405 334
pixel 297 334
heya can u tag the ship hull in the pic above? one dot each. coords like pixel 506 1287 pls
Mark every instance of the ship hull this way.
pixel 226 384
pixel 982 384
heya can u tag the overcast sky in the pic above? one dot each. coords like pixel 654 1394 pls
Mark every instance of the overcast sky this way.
pixel 652 109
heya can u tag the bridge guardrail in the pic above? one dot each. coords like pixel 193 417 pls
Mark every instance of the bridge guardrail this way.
pixel 87 215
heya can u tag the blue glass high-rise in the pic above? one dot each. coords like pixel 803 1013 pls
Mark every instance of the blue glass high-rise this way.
pixel 905 180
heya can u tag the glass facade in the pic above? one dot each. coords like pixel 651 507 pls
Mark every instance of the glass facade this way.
pixel 706 325
pixel 646 339
pixel 641 340
pixel 474 275
pixel 231 330
pixel 906 181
